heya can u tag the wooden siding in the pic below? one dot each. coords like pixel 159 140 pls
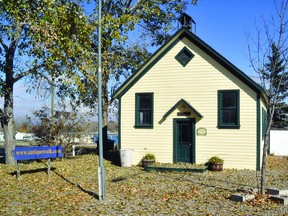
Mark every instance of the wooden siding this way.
pixel 197 83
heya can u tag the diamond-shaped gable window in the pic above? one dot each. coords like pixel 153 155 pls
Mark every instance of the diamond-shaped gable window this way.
pixel 184 56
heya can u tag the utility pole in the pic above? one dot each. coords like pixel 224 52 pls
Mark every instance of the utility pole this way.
pixel 52 99
pixel 101 170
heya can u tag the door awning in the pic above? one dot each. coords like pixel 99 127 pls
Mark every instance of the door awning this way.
pixel 186 105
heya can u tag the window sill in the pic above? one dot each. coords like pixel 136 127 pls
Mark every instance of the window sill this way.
pixel 228 126
pixel 144 126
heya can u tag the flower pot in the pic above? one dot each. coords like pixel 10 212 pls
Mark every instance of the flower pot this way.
pixel 216 167
pixel 147 162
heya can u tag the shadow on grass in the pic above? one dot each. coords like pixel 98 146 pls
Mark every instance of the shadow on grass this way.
pixel 31 171
pixel 90 193
pixel 23 172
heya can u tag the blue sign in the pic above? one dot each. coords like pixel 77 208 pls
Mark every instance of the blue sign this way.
pixel 37 152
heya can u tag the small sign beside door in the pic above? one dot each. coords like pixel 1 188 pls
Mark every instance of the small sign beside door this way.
pixel 201 131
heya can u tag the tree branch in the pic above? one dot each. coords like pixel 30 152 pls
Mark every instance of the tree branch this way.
pixel 3 45
pixel 137 5
pixel 31 70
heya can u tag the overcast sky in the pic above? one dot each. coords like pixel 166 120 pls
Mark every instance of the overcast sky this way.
pixel 222 24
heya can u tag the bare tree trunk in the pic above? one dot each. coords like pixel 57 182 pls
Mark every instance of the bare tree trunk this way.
pixel 8 125
pixel 7 120
pixel 105 113
pixel 9 143
pixel 105 99
pixel 264 157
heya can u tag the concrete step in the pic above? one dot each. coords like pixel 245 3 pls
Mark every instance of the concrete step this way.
pixel 283 199
pixel 241 197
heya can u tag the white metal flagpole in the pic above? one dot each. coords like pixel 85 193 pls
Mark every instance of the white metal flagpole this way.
pixel 101 170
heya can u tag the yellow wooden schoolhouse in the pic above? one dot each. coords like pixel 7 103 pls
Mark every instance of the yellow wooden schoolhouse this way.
pixel 187 103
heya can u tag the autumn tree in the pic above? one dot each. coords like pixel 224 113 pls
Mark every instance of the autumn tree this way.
pixel 37 39
pixel 56 41
pixel 270 61
pixel 129 28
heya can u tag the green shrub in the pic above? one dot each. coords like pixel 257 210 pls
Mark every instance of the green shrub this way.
pixel 149 156
pixel 215 160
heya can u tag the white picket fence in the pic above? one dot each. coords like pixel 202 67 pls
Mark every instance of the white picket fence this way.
pixel 279 142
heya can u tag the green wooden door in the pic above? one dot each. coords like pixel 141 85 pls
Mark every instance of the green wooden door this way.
pixel 184 136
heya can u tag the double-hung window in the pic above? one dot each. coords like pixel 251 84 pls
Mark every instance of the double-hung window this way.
pixel 144 110
pixel 228 109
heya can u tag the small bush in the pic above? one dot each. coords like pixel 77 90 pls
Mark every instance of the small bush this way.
pixel 62 130
pixel 215 160
pixel 149 156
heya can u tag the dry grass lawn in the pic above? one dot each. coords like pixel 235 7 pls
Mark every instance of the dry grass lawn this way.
pixel 72 188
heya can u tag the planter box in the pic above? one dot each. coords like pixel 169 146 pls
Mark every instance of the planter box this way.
pixel 147 162
pixel 216 167
pixel 175 169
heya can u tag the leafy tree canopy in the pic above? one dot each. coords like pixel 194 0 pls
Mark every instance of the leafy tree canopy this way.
pixel 44 33
pixel 128 29
pixel 38 39
pixel 55 41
